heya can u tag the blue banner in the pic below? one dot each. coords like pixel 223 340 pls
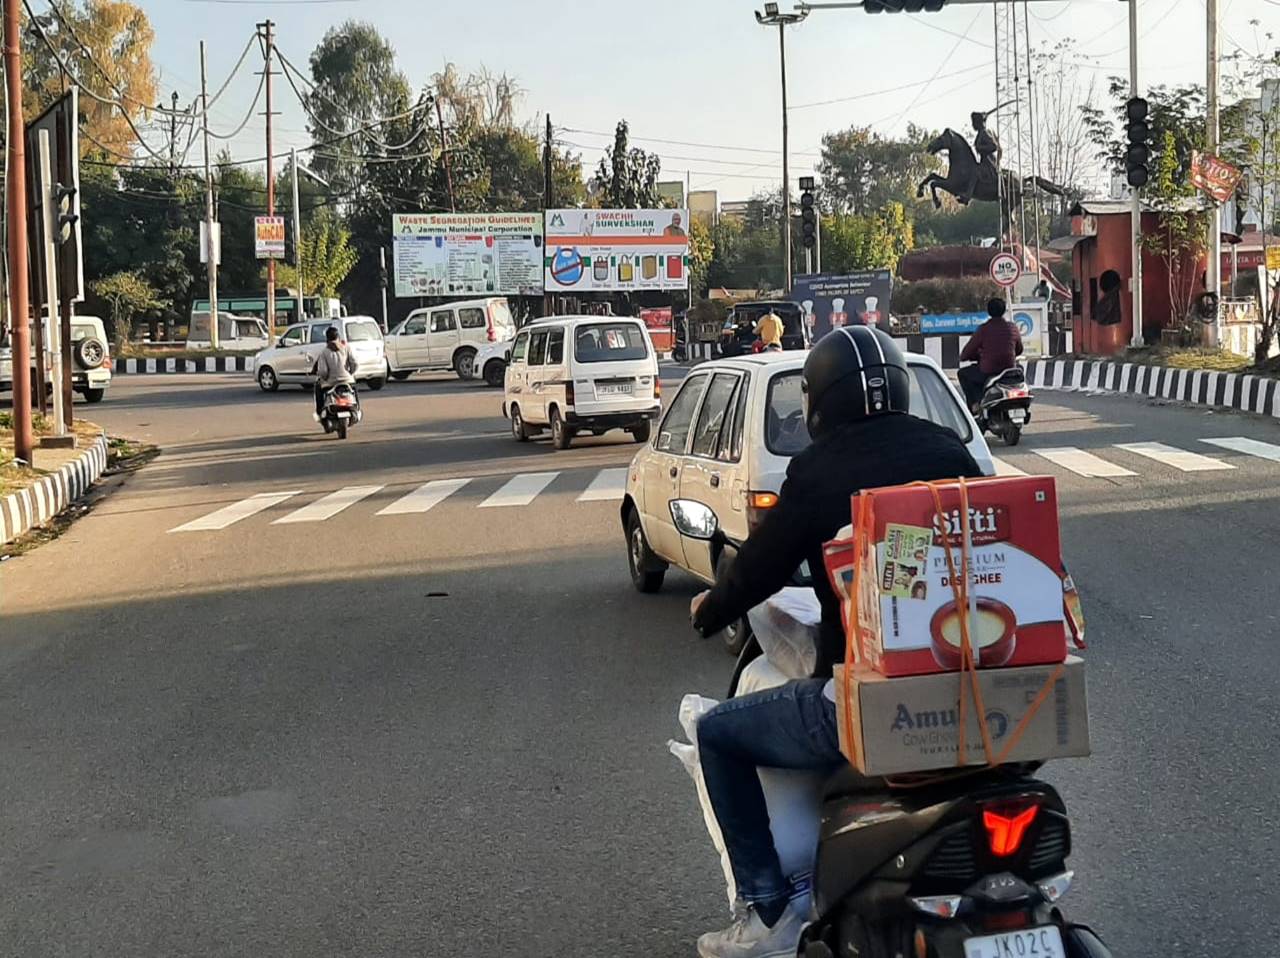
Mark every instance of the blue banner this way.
pixel 934 323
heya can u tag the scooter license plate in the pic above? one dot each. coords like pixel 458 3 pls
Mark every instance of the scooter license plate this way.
pixel 1018 415
pixel 1043 942
pixel 344 415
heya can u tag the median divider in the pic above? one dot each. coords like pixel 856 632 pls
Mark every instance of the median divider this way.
pixel 22 511
pixel 1201 387
pixel 169 364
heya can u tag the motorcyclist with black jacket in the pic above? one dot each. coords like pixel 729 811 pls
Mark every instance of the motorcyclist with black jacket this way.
pixel 856 389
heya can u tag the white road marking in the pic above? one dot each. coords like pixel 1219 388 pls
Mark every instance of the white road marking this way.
pixel 1251 447
pixel 1005 469
pixel 425 497
pixel 328 506
pixel 1178 458
pixel 1083 463
pixel 608 484
pixel 520 490
pixel 233 513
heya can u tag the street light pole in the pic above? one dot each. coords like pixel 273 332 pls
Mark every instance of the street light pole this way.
pixel 1213 273
pixel 770 18
pixel 1135 207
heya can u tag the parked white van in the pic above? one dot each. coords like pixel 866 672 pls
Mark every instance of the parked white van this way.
pixel 448 336
pixel 574 374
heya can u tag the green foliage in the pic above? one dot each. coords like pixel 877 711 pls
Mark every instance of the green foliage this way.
pixel 627 177
pixel 702 249
pixel 327 257
pixel 955 225
pixel 1175 118
pixel 126 294
pixel 873 241
pixel 1182 234
pixel 941 295
pixel 862 172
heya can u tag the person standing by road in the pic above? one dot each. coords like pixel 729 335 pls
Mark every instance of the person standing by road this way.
pixel 334 365
pixel 992 349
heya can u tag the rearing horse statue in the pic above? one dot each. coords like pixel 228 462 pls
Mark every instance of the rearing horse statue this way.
pixel 967 179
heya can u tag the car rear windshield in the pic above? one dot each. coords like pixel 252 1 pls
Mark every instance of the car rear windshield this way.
pixel 609 342
pixel 500 313
pixel 787 434
pixel 363 331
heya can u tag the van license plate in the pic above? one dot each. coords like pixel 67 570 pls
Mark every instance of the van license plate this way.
pixel 1018 415
pixel 613 389
pixel 1044 942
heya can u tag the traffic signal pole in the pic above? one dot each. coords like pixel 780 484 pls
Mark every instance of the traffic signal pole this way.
pixel 1213 271
pixel 1135 201
pixel 16 235
pixel 49 250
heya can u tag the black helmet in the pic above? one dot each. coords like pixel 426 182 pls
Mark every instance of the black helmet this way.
pixel 851 373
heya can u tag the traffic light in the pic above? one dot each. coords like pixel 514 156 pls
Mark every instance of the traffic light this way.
pixel 64 201
pixel 808 218
pixel 1138 133
pixel 903 6
pixel 290 247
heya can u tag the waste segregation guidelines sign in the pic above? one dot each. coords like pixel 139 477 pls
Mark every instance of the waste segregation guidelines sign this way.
pixel 830 301
pixel 268 237
pixel 963 323
pixel 1005 269
pixel 446 254
pixel 616 250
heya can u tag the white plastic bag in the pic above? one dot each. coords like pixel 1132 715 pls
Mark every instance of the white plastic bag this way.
pixel 692 708
pixel 786 626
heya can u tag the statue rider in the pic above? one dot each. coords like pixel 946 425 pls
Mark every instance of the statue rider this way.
pixel 987 147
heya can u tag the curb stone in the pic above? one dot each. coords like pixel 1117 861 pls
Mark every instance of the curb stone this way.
pixel 209 364
pixel 1200 387
pixel 22 511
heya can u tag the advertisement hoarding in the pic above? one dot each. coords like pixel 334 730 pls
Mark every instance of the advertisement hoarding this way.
pixel 616 250
pixel 829 301
pixel 268 237
pixel 934 324
pixel 481 254
pixel 1214 176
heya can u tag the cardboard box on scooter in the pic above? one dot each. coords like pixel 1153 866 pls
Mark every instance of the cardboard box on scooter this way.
pixel 908 618
pixel 911 724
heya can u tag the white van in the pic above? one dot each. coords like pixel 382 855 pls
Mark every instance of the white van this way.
pixel 574 374
pixel 234 332
pixel 448 336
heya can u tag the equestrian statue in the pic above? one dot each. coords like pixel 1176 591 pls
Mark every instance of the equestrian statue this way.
pixel 979 177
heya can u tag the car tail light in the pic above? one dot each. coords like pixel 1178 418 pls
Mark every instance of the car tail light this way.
pixel 758 504
pixel 568 393
pixel 1006 826
pixel 491 334
pixel 657 388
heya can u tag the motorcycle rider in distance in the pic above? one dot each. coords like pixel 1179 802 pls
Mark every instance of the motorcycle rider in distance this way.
pixel 769 330
pixel 334 365
pixel 992 349
pixel 856 389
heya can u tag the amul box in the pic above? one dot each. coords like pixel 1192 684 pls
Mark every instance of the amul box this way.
pixel 912 724
pixel 909 621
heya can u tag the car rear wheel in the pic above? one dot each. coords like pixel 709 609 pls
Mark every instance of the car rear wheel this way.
pixel 518 430
pixel 647 570
pixel 641 432
pixel 267 380
pixel 561 435
pixel 376 383
pixel 464 363
pixel 495 371
pixel 400 375
pixel 93 395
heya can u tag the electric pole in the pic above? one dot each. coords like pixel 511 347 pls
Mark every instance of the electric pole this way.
pixel 771 17
pixel 16 236
pixel 444 152
pixel 546 168
pixel 268 45
pixel 1213 278
pixel 297 232
pixel 1135 202
pixel 213 242
pixel 173 133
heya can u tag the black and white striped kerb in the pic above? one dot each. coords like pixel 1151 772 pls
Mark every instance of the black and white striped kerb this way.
pixel 944 350
pixel 27 508
pixel 1243 391
pixel 209 364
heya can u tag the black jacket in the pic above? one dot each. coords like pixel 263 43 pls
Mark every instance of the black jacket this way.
pixel 814 506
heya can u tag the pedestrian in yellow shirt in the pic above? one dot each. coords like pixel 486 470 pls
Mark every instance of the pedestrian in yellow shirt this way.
pixel 769 329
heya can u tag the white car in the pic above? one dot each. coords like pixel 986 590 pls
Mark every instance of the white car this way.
pixel 725 441
pixel 448 337
pixel 90 359
pixel 291 358
pixel 492 359
pixel 575 374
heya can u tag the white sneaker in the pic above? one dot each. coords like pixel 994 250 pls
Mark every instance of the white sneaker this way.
pixel 315 416
pixel 749 937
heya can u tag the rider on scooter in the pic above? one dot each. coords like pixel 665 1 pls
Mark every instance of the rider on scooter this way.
pixel 334 365
pixel 856 389
pixel 992 349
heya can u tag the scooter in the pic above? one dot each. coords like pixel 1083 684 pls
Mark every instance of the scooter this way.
pixel 970 866
pixel 341 409
pixel 1005 407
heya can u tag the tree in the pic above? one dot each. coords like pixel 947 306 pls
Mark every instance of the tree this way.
pixel 627 177
pixel 702 249
pixel 326 254
pixel 514 176
pixel 1062 131
pixel 107 43
pixel 862 171
pixel 126 294
pixel 1177 111
pixel 1182 235
pixel 876 241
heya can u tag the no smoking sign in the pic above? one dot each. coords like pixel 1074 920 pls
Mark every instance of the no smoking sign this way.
pixel 1005 269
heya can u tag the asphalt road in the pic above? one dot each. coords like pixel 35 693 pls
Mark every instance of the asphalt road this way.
pixel 442 732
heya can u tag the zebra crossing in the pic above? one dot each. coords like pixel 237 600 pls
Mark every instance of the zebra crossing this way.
pixel 608 485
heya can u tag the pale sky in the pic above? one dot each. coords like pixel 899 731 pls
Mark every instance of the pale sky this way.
pixel 698 71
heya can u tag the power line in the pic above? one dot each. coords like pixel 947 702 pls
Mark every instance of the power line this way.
pixel 262 82
pixel 708 146
pixel 895 89
pixel 947 59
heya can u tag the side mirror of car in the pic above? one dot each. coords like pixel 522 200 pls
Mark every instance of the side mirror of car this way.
pixel 693 519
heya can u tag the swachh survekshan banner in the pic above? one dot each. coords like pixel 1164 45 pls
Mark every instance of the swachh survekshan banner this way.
pixel 616 250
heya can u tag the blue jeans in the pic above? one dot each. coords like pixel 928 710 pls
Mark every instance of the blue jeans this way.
pixel 791 726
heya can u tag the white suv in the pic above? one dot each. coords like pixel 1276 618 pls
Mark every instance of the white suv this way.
pixel 291 358
pixel 90 359
pixel 725 442
pixel 448 337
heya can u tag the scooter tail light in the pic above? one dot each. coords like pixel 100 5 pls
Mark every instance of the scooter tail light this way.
pixel 1006 827
pixel 1054 887
pixel 938 906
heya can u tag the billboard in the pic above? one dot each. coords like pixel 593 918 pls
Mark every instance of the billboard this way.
pixel 268 237
pixel 830 301
pixel 616 250
pixel 482 254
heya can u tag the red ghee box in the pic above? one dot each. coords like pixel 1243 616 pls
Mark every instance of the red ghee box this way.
pixel 908 620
